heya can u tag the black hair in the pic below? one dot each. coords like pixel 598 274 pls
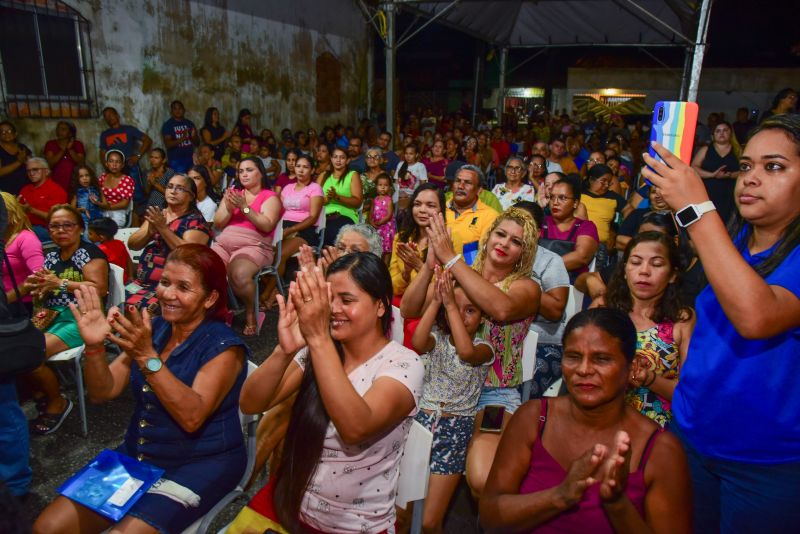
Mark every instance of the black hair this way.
pixel 671 306
pixel 615 323
pixel 409 230
pixel 104 226
pixel 207 119
pixel 109 108
pixel 329 172
pixel 741 230
pixel 662 219
pixel 598 171
pixel 259 165
pixel 192 188
pixel 309 420
pixel 573 184
pixel 203 172
pixel 160 152
pixel 783 93
pixel 176 102
pixel 534 209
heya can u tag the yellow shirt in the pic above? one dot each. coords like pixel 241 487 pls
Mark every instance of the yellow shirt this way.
pixel 469 225
pixel 397 267
pixel 601 211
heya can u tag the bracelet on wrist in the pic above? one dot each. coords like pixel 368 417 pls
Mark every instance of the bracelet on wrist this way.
pixel 452 262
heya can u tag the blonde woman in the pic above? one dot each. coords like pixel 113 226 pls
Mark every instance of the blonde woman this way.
pixel 24 251
pixel 500 284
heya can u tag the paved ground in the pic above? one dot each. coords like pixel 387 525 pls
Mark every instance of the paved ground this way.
pixel 56 457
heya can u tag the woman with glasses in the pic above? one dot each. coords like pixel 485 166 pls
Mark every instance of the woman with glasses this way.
pixel 563 225
pixel 75 264
pixel 516 188
pixel 162 231
pixel 374 160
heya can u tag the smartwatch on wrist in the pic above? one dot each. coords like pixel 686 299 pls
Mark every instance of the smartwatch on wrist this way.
pixel 691 214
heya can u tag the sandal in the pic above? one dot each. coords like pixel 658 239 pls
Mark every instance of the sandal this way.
pixel 47 423
pixel 249 330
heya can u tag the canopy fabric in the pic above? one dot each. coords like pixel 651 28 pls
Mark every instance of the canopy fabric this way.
pixel 520 23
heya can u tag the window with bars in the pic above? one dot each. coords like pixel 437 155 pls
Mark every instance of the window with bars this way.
pixel 46 60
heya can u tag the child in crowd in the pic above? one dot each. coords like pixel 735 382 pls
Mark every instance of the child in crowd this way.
pixel 456 365
pixel 102 232
pixel 82 189
pixel 382 214
pixel 232 156
pixel 409 175
pixel 271 165
pixel 646 286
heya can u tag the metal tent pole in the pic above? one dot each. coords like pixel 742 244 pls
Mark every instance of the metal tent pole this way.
pixel 687 73
pixel 391 53
pixel 501 93
pixel 699 50
pixel 475 89
pixel 370 74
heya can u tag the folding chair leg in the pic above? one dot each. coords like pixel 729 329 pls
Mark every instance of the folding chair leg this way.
pixel 416 517
pixel 81 394
pixel 526 391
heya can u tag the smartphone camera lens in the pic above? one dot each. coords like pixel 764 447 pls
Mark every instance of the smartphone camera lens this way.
pixel 660 114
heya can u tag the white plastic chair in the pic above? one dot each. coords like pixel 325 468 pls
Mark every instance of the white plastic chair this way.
pixel 321 223
pixel 249 424
pixel 397 325
pixel 528 362
pixel 116 294
pixel 123 234
pixel 554 388
pixel 415 468
pixel 574 303
pixel 271 270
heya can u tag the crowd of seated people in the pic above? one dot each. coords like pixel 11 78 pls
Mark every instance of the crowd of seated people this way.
pixel 660 297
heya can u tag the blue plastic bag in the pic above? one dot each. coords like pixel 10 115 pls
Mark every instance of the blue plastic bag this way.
pixel 110 484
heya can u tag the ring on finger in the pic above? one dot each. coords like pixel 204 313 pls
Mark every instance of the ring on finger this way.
pixel 308 299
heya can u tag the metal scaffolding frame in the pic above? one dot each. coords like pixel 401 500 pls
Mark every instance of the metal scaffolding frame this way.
pixel 695 48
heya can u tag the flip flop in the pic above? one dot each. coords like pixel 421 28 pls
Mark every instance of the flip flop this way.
pixel 47 423
pixel 249 330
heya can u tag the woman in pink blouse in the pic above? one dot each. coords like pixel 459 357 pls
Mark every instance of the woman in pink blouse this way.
pixel 24 251
pixel 302 204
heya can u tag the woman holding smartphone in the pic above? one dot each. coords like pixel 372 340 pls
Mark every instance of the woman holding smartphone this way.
pixel 744 445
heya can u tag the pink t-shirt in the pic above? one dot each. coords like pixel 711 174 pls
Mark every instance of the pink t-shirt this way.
pixel 586 227
pixel 25 256
pixel 239 219
pixel 297 204
pixel 353 488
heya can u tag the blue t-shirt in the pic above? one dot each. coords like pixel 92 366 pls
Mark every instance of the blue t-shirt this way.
pixel 737 399
pixel 180 156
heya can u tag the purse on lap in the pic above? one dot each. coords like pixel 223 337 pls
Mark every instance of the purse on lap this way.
pixel 22 343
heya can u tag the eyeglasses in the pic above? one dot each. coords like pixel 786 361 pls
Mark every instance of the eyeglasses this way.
pixel 595 161
pixel 37 169
pixel 373 156
pixel 514 168
pixel 177 188
pixel 560 199
pixel 538 165
pixel 67 227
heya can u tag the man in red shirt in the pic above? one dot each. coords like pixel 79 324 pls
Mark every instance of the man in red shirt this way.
pixel 40 195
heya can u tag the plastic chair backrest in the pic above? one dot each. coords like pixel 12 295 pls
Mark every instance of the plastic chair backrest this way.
pixel 574 303
pixel 529 355
pixel 414 466
pixel 123 234
pixel 397 325
pixel 116 285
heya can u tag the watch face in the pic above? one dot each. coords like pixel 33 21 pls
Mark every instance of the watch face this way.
pixel 687 216
pixel 154 364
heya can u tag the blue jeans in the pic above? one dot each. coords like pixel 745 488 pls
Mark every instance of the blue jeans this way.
pixel 735 497
pixel 14 468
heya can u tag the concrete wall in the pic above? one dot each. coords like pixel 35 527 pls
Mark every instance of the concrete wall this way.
pixel 720 89
pixel 258 54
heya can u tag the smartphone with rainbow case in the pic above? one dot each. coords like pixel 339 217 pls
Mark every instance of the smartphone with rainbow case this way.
pixel 674 124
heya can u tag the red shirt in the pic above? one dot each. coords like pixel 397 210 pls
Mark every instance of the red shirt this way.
pixel 117 254
pixel 62 170
pixel 123 190
pixel 44 197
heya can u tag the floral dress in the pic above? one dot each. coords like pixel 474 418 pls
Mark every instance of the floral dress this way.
pixel 380 209
pixel 657 346
pixel 507 340
pixel 508 198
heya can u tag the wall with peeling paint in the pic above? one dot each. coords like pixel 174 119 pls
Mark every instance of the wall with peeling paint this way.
pixel 231 54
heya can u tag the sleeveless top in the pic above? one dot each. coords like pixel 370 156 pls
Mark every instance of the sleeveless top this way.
pixel 153 435
pixel 720 190
pixel 239 219
pixel 588 515
pixel 657 346
pixel 506 339
pixel 342 189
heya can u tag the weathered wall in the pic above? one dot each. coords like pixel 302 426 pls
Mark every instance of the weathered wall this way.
pixel 258 54
pixel 720 89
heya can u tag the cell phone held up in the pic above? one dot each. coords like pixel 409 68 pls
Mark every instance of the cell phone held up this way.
pixel 493 419
pixel 673 127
